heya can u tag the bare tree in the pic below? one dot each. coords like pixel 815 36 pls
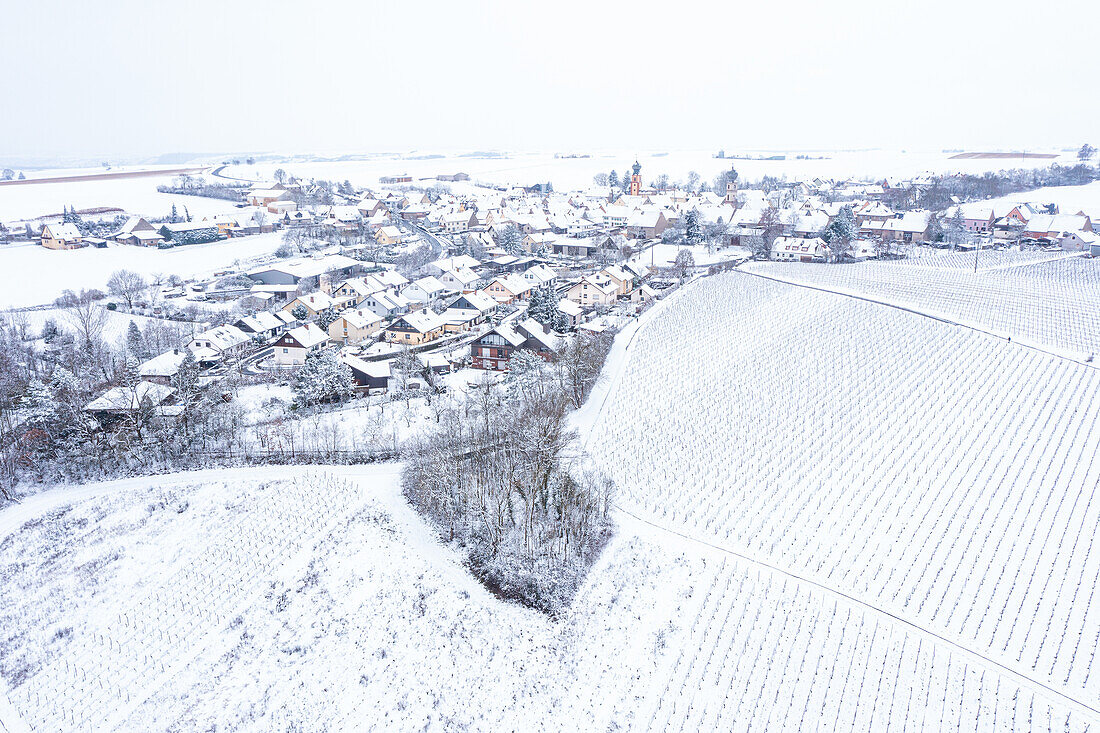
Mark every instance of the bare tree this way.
pixel 85 315
pixel 127 285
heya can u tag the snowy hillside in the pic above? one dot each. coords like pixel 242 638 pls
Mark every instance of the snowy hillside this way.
pixel 934 482
pixel 1047 299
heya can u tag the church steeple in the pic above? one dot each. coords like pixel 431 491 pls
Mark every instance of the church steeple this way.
pixel 636 180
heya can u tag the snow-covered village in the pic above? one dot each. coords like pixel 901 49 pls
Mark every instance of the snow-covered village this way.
pixel 464 386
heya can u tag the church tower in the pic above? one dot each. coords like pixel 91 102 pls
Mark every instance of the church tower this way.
pixel 636 180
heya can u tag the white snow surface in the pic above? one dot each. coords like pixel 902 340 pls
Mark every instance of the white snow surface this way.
pixel 832 514
pixel 33 275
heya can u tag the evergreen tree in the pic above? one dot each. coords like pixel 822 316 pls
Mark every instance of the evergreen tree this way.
pixel 50 331
pixel 39 406
pixel 613 179
pixel 511 240
pixel 841 232
pixel 693 233
pixel 186 380
pixel 323 379
pixel 300 312
pixel 543 307
pixel 135 342
pixel 326 318
pixel 173 217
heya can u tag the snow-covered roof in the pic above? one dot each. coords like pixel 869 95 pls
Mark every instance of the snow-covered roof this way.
pixel 164 365
pixel 424 321
pixel 308 335
pixel 130 398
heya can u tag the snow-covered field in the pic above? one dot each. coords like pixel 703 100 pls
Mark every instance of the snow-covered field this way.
pixel 917 502
pixel 134 195
pixel 34 275
pixel 1049 299
pixel 526 168
pixel 282 599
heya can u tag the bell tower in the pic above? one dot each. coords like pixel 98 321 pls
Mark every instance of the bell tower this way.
pixel 636 180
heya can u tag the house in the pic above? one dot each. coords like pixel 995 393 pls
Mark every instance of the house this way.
pixel 1081 242
pixel 540 275
pixel 424 290
pixel 622 279
pixel 458 262
pixel 295 345
pixel 354 326
pixel 415 328
pixel 371 375
pixel 61 236
pixel 264 196
pixel 1056 226
pixel 646 224
pixel 385 303
pixel 458 222
pixel 508 288
pixel 978 219
pixel 642 294
pixel 593 290
pixel 354 290
pixel 314 303
pixel 162 369
pixel 137 231
pixel 493 350
pixel 126 400
pixel 467 311
pixel 292 272
pixel 264 325
pixel 799 249
pixel 218 343
pixel 572 310
pixel 368 207
pixel 460 279
pixel 389 236
pixel 911 227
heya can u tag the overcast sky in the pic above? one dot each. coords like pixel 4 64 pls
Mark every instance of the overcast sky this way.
pixel 115 79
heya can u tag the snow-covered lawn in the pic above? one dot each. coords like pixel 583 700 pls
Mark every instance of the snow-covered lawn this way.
pixel 34 275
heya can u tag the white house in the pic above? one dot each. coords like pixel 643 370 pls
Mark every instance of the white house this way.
pixel 295 345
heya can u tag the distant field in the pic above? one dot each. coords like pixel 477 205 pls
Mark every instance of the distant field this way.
pixel 102 176
pixel 1004 156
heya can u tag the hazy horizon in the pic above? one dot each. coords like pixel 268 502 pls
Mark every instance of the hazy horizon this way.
pixel 128 80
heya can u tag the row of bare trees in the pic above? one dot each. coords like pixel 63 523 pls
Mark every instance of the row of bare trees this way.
pixel 497 476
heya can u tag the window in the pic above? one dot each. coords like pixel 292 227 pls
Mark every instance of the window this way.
pixel 285 351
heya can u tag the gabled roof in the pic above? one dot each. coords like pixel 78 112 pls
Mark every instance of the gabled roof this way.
pixel 63 231
pixel 308 336
pixel 130 398
pixel 423 321
pixel 359 317
pixel 164 365
pixel 222 337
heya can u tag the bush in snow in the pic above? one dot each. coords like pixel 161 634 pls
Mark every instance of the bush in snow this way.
pixel 323 379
